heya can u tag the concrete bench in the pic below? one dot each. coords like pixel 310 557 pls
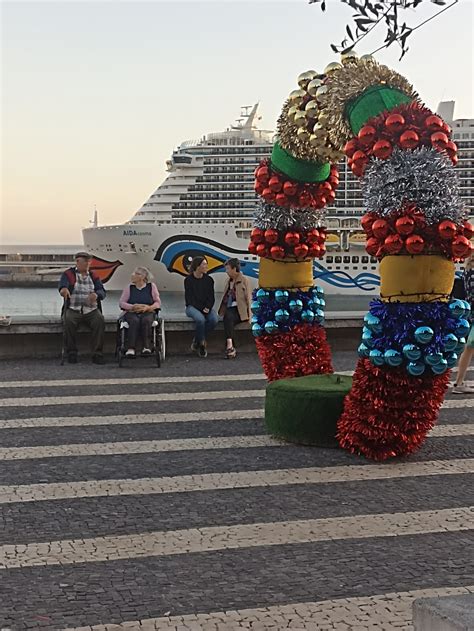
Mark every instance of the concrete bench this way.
pixel 449 613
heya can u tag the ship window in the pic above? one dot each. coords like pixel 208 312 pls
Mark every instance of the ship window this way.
pixel 365 259
pixel 364 267
pixel 355 259
pixel 347 259
pixel 329 259
pixel 373 259
pixel 338 259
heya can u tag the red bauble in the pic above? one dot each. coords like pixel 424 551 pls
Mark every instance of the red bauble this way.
pixel 263 174
pixel 454 159
pixel 439 140
pixel 320 201
pixel 359 158
pixel 434 123
pixel 324 187
pixel 382 149
pixel 405 225
pixel 409 139
pixel 372 246
pixel 314 251
pixel 259 187
pixel 304 199
pixel 292 238
pixel 322 251
pixel 330 197
pixel 252 248
pixel 366 222
pixel 312 236
pixel 350 148
pixel 394 123
pixel 333 181
pixel 271 235
pixel 358 169
pixel 461 247
pixel 366 135
pixel 257 235
pixel 380 228
pixel 301 251
pixel 468 230
pixel 274 184
pixel 262 249
pixel 268 195
pixel 451 148
pixel 415 244
pixel 447 229
pixel 281 199
pixel 290 188
pixel 393 244
pixel 277 252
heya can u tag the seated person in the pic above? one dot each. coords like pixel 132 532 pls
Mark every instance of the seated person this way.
pixel 235 305
pixel 139 301
pixel 199 298
pixel 82 291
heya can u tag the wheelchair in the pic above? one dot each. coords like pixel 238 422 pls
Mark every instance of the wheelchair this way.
pixel 158 341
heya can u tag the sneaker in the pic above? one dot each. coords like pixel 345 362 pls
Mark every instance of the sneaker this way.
pixel 98 359
pixel 231 353
pixel 202 351
pixel 130 352
pixel 194 347
pixel 72 358
pixel 146 352
pixel 462 389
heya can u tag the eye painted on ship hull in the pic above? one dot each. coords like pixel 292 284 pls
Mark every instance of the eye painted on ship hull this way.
pixel 181 263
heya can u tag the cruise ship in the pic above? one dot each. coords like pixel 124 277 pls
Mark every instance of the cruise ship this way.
pixel 205 206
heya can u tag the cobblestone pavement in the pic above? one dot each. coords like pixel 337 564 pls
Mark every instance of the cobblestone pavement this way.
pixel 149 499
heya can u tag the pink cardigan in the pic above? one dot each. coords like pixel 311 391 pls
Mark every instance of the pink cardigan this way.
pixel 124 298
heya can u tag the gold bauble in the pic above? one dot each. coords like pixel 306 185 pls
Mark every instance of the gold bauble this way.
pixel 323 118
pixel 334 65
pixel 313 86
pixel 296 97
pixel 314 141
pixel 303 134
pixel 311 109
pixel 300 119
pixel 318 130
pixel 292 112
pixel 348 57
pixel 367 58
pixel 305 77
pixel 321 92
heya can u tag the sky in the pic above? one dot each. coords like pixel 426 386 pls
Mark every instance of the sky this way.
pixel 96 95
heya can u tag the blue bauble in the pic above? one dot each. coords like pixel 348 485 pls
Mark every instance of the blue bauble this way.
pixel 462 327
pixel 450 341
pixel 373 323
pixel 433 358
pixel 262 295
pixel 392 357
pixel 424 334
pixel 307 316
pixel 415 369
pixel 296 306
pixel 257 330
pixel 271 327
pixel 456 308
pixel 368 338
pixel 254 319
pixel 319 316
pixel 363 351
pixel 467 308
pixel 461 344
pixel 316 302
pixel 282 315
pixel 322 303
pixel 440 367
pixel 451 359
pixel 319 291
pixel 281 296
pixel 256 306
pixel 376 357
pixel 310 305
pixel 411 352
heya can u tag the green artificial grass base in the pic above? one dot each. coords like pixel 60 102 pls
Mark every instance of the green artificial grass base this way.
pixel 305 410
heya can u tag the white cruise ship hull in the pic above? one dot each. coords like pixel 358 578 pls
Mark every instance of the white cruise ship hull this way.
pixel 167 249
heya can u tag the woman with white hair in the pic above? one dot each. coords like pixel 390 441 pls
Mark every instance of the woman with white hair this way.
pixel 139 301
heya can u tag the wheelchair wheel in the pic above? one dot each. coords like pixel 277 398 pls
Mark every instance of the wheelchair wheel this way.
pixel 162 340
pixel 120 357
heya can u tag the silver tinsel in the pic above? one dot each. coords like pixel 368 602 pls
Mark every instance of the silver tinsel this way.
pixel 423 177
pixel 279 218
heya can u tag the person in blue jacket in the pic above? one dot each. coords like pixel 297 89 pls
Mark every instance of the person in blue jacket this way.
pixel 83 292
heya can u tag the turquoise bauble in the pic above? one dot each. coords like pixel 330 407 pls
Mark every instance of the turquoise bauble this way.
pixel 254 319
pixel 433 358
pixel 424 334
pixel 450 341
pixel 271 327
pixel 319 316
pixel 451 359
pixel 319 291
pixel 281 296
pixel 462 327
pixel 296 306
pixel 411 352
pixel 256 306
pixel 440 367
pixel 282 315
pixel 262 295
pixel 367 338
pixel 376 357
pixel 456 308
pixel 461 345
pixel 373 323
pixel 307 316
pixel 392 357
pixel 363 351
pixel 415 369
pixel 257 330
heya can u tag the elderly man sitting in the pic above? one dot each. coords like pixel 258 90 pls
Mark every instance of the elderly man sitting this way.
pixel 82 291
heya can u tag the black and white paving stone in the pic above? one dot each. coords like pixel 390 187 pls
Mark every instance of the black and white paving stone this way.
pixel 153 499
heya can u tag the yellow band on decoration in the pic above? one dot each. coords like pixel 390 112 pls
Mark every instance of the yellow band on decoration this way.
pixel 415 278
pixel 278 275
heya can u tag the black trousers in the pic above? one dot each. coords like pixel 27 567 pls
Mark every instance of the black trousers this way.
pixel 231 318
pixel 139 323
pixel 94 320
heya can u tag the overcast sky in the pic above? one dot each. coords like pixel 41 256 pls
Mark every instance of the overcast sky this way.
pixel 95 95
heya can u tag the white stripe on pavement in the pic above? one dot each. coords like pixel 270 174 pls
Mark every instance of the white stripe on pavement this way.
pixel 393 610
pixel 137 447
pixel 232 480
pixel 207 539
pixel 466 429
pixel 141 398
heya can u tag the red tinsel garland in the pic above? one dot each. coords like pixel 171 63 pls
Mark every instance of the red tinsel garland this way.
pixel 388 413
pixel 302 351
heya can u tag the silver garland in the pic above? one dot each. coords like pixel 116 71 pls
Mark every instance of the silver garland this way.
pixel 279 218
pixel 423 177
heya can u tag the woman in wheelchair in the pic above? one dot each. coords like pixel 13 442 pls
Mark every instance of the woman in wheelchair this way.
pixel 139 301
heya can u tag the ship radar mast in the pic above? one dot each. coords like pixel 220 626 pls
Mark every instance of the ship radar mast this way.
pixel 95 218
